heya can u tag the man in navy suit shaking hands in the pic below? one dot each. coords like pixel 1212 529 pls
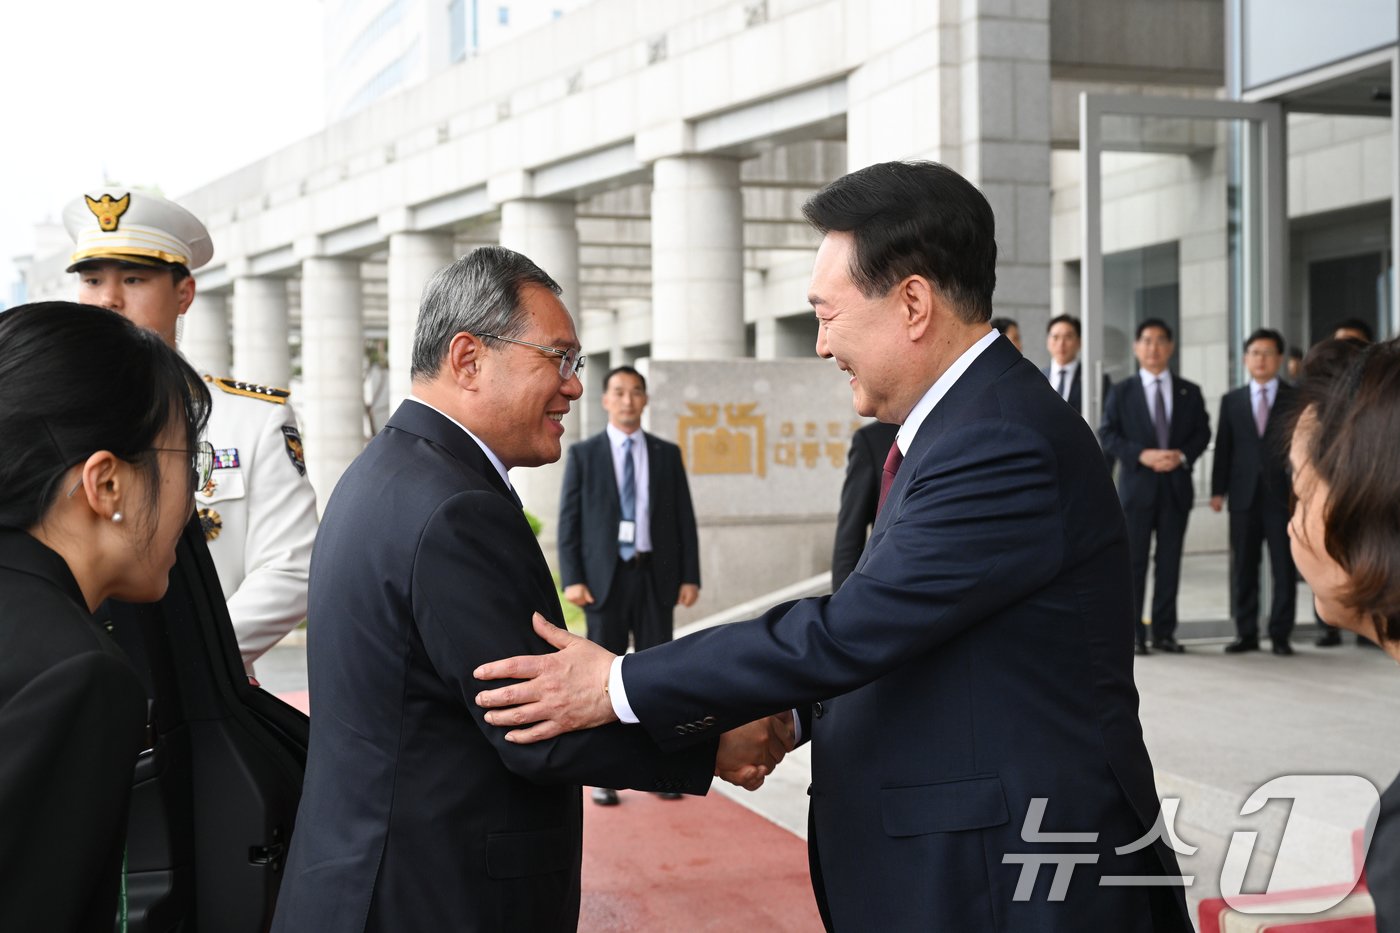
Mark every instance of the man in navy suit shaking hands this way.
pixel 969 689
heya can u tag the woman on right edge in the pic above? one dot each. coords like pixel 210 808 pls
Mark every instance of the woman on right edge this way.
pixel 100 424
pixel 1345 530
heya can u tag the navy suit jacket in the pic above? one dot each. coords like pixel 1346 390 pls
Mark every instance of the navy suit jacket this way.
pixel 416 814
pixel 979 657
pixel 1246 465
pixel 590 509
pixel 1127 431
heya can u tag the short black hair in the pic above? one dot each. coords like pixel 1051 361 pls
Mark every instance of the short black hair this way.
pixel 1154 322
pixel 1267 333
pixel 623 369
pixel 1356 324
pixel 914 218
pixel 1002 323
pixel 1069 319
pixel 76 379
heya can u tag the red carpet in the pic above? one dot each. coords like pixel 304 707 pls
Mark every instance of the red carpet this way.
pixel 696 864
pixel 700 863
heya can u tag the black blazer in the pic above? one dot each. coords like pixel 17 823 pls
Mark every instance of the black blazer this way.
pixel 1127 431
pixel 860 496
pixel 1076 395
pixel 72 721
pixel 416 814
pixel 1246 465
pixel 589 511
pixel 980 656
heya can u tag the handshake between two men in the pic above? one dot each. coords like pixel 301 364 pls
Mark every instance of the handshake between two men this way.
pixel 572 689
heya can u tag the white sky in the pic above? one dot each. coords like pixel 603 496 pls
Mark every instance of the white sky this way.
pixel 154 93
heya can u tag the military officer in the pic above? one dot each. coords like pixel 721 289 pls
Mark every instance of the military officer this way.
pixel 134 253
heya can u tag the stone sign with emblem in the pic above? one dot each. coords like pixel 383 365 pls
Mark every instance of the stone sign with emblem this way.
pixel 764 444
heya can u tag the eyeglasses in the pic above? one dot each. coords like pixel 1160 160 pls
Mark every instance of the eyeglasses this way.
pixel 201 464
pixel 571 360
pixel 201 461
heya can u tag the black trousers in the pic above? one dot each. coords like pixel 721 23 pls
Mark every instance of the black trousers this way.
pixel 632 609
pixel 1168 522
pixel 1249 529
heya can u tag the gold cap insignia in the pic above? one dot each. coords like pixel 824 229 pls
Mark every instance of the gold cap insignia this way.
pixel 108 211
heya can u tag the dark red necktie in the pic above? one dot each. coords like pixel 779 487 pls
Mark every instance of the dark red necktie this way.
pixel 892 463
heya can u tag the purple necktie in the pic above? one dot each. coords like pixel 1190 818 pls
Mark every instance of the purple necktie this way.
pixel 892 463
pixel 1261 411
pixel 1159 415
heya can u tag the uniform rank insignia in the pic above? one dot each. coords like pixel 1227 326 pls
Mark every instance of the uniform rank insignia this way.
pixel 294 448
pixel 211 523
pixel 108 210
pixel 226 458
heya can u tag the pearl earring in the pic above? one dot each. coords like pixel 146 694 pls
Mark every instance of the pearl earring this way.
pixel 117 518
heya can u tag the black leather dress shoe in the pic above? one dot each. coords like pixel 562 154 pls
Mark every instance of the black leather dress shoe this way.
pixel 605 796
pixel 1140 648
pixel 1328 639
pixel 1282 647
pixel 669 795
pixel 1169 645
pixel 1241 645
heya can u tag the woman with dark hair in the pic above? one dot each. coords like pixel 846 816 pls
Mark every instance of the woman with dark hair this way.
pixel 101 424
pixel 1345 529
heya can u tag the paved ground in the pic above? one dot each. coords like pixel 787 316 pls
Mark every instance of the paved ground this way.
pixel 1218 727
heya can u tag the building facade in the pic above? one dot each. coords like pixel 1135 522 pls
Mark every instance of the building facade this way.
pixel 653 158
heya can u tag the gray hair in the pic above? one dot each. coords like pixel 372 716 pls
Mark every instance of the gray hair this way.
pixel 479 294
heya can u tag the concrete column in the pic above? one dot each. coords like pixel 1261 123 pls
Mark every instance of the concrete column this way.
pixel 785 338
pixel 697 259
pixel 261 352
pixel 413 259
pixel 332 359
pixel 981 87
pixel 546 232
pixel 204 333
pixel 1004 73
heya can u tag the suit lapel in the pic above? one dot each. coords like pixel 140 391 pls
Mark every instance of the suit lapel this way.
pixel 418 419
pixel 986 369
pixel 1137 397
pixel 606 483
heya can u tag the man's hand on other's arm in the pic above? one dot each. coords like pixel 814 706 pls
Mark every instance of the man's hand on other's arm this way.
pixel 748 754
pixel 562 692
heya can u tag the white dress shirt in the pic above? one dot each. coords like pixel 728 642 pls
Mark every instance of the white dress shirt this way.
pixel 1068 370
pixel 1270 390
pixel 616 438
pixel 1151 392
pixel 617 690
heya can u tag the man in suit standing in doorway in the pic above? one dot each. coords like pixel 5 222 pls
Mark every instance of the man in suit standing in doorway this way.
pixel 1251 471
pixel 1063 338
pixel 975 672
pixel 628 548
pixel 1155 424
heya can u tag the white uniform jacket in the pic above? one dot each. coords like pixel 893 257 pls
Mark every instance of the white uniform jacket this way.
pixel 258 512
